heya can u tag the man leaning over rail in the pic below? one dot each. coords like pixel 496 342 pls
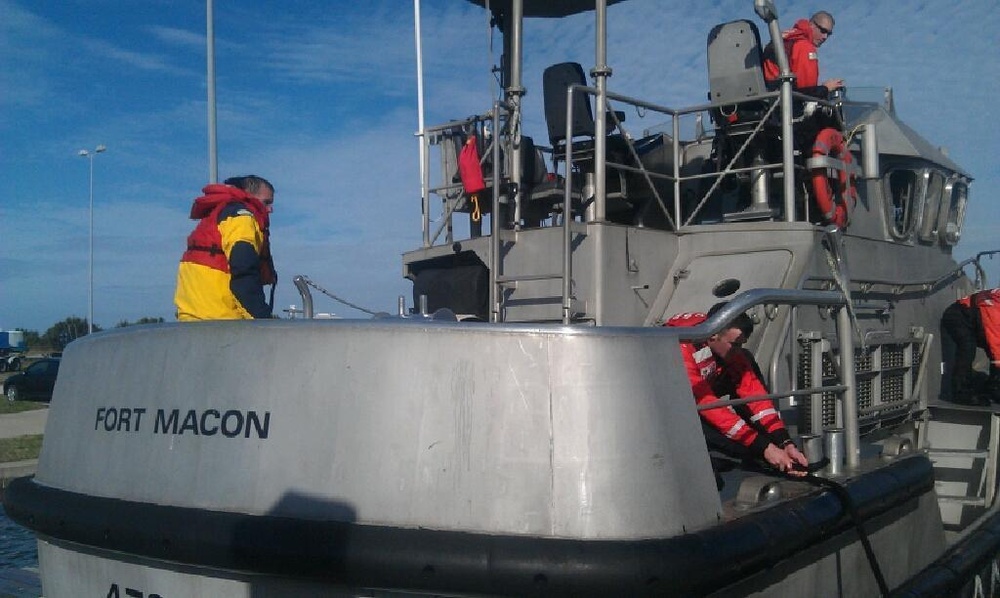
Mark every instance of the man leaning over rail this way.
pixel 971 322
pixel 718 368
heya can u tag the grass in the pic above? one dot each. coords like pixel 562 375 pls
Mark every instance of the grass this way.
pixel 20 448
pixel 19 406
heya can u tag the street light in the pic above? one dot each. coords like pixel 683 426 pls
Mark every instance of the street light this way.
pixel 90 268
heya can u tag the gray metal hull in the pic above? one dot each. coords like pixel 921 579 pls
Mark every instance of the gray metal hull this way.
pixel 585 438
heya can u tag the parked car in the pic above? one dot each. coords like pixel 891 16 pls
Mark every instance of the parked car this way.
pixel 34 383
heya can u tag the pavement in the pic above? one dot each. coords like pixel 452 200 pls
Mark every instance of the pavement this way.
pixel 24 423
pixel 12 425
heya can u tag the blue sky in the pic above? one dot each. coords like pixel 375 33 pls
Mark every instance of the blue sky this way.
pixel 320 98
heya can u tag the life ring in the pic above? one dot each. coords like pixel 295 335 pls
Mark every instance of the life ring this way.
pixel 835 206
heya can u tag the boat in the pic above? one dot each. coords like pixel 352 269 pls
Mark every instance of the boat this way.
pixel 527 427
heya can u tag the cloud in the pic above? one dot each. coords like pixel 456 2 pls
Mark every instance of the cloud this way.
pixel 180 37
pixel 324 103
pixel 102 49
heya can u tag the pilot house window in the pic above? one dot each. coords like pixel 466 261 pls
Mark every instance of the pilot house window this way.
pixel 931 211
pixel 902 193
pixel 956 193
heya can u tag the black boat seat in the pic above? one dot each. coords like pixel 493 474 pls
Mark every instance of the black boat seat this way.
pixel 556 79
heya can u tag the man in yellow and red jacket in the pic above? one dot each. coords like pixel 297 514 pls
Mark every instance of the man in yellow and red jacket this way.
pixel 228 259
pixel 802 43
pixel 718 368
pixel 970 322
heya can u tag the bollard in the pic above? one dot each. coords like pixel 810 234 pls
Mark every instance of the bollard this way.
pixel 833 446
pixel 812 447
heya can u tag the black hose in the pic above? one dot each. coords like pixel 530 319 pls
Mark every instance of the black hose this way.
pixel 844 496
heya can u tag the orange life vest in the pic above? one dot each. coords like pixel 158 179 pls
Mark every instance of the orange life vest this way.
pixel 204 244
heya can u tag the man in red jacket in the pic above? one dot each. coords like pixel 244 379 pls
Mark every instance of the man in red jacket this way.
pixel 717 370
pixel 801 45
pixel 971 322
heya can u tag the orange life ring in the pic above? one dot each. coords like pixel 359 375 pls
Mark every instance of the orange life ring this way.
pixel 834 207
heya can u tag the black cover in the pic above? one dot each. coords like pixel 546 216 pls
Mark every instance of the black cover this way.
pixel 464 289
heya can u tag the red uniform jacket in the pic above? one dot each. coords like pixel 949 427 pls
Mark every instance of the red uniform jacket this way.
pixel 987 304
pixel 803 59
pixel 713 378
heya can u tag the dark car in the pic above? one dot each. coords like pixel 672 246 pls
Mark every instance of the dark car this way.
pixel 34 383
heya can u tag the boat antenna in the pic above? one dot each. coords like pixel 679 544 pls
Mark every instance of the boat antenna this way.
pixel 213 150
pixel 424 165
pixel 490 23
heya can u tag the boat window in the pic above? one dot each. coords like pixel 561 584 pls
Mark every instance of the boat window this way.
pixel 956 193
pixel 930 217
pixel 901 191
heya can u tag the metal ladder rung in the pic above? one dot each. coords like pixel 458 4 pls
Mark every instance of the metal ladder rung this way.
pixel 527 277
pixel 976 453
pixel 963 500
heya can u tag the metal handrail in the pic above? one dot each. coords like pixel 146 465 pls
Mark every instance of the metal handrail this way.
pixel 786 164
pixel 772 396
pixel 927 286
pixel 429 137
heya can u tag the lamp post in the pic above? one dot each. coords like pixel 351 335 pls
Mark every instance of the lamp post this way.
pixel 90 268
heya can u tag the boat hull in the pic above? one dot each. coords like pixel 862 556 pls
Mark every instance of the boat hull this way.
pixel 310 457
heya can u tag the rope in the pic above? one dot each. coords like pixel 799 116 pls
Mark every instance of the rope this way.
pixel 850 136
pixel 477 214
pixel 844 285
pixel 841 493
pixel 336 298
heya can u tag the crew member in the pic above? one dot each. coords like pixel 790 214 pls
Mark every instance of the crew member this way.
pixel 970 322
pixel 228 259
pixel 802 43
pixel 717 368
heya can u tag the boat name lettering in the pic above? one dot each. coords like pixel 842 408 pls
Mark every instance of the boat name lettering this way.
pixel 119 419
pixel 114 592
pixel 229 423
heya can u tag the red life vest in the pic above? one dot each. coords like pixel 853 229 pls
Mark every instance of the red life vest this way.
pixel 204 244
pixel 986 316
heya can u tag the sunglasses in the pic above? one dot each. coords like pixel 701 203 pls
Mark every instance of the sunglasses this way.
pixel 823 30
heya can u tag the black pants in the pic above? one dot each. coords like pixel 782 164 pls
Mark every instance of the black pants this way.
pixel 717 441
pixel 959 339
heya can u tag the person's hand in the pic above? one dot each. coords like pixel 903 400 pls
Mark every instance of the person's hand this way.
pixel 779 459
pixel 833 84
pixel 796 455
